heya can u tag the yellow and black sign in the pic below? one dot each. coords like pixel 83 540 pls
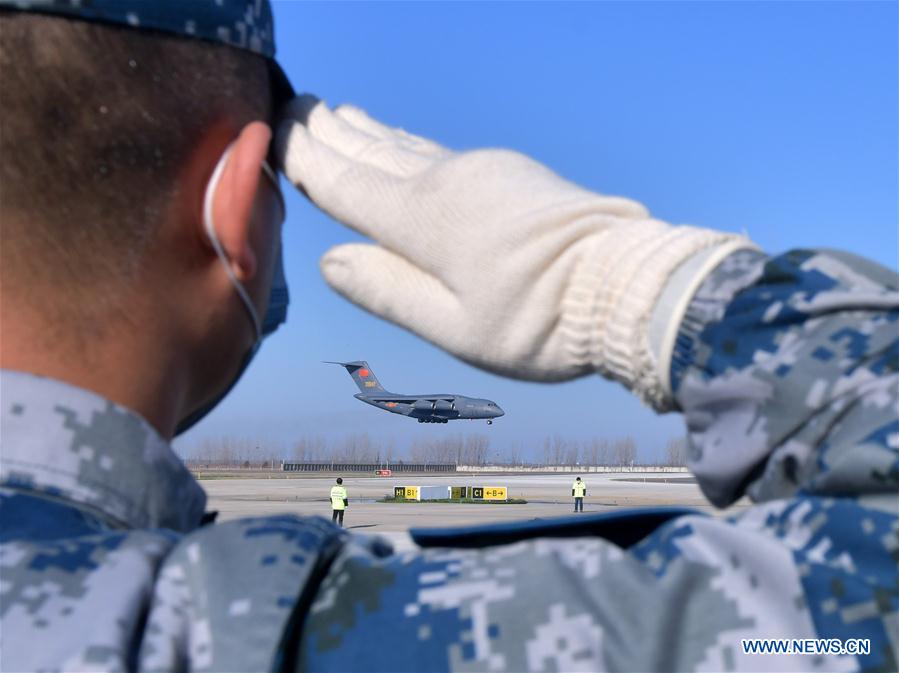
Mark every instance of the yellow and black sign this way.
pixel 458 492
pixel 405 492
pixel 489 493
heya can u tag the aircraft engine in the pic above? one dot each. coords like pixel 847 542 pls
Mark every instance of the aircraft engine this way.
pixel 422 405
pixel 442 406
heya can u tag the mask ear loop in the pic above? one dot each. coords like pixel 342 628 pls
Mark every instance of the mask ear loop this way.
pixel 208 198
pixel 273 179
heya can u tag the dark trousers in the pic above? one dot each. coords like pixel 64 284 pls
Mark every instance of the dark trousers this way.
pixel 337 516
pixel 578 504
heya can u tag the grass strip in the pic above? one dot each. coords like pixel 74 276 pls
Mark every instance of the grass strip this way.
pixel 459 501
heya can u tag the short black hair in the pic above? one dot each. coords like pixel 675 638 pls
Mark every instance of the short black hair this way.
pixel 339 480
pixel 96 123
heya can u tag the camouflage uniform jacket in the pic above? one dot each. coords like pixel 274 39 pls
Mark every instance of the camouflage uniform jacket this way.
pixel 786 371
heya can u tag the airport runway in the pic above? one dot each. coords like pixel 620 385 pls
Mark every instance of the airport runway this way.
pixel 548 495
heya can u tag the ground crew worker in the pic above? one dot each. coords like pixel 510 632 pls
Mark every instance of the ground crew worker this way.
pixel 579 490
pixel 140 284
pixel 339 502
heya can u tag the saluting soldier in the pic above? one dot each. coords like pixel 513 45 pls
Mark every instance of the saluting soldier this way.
pixel 140 284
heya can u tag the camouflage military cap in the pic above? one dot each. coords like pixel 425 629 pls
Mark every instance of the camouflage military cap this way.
pixel 244 24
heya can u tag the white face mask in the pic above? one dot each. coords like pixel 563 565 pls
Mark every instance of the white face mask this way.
pixel 279 298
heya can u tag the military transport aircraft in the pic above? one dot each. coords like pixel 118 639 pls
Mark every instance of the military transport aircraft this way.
pixel 426 408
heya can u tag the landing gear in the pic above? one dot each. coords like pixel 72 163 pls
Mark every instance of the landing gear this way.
pixel 432 420
pixel 489 422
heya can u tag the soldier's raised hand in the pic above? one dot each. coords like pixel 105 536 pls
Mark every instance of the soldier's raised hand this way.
pixel 487 253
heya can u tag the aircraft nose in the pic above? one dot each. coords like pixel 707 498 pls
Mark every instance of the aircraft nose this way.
pixel 498 410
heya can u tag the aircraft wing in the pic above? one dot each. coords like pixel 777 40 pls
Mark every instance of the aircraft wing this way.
pixel 410 399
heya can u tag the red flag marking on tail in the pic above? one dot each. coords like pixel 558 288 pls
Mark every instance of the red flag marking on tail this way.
pixel 363 373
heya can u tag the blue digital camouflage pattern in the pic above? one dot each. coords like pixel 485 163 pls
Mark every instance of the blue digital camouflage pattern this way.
pixel 101 524
pixel 245 24
pixel 786 372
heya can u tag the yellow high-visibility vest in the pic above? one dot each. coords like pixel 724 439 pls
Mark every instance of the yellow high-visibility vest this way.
pixel 579 488
pixel 338 495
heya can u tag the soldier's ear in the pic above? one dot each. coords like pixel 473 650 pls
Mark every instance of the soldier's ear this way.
pixel 232 204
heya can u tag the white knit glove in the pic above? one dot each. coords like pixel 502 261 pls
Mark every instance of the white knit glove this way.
pixel 487 253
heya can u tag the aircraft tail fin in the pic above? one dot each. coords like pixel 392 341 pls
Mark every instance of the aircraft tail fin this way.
pixel 362 374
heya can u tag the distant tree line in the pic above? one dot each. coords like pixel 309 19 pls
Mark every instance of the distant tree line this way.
pixel 596 451
pixel 469 450
pixel 238 452
pixel 353 448
pixel 676 452
pixel 473 449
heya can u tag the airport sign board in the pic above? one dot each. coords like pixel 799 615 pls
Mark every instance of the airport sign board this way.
pixel 406 492
pixel 489 493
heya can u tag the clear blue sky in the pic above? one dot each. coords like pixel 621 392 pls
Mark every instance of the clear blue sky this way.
pixel 776 118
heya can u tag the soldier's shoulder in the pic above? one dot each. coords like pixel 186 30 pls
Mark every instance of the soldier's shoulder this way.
pixel 251 542
pixel 241 581
pixel 71 582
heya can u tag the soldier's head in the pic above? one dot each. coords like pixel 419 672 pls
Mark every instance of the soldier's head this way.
pixel 114 125
pixel 339 480
pixel 578 479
